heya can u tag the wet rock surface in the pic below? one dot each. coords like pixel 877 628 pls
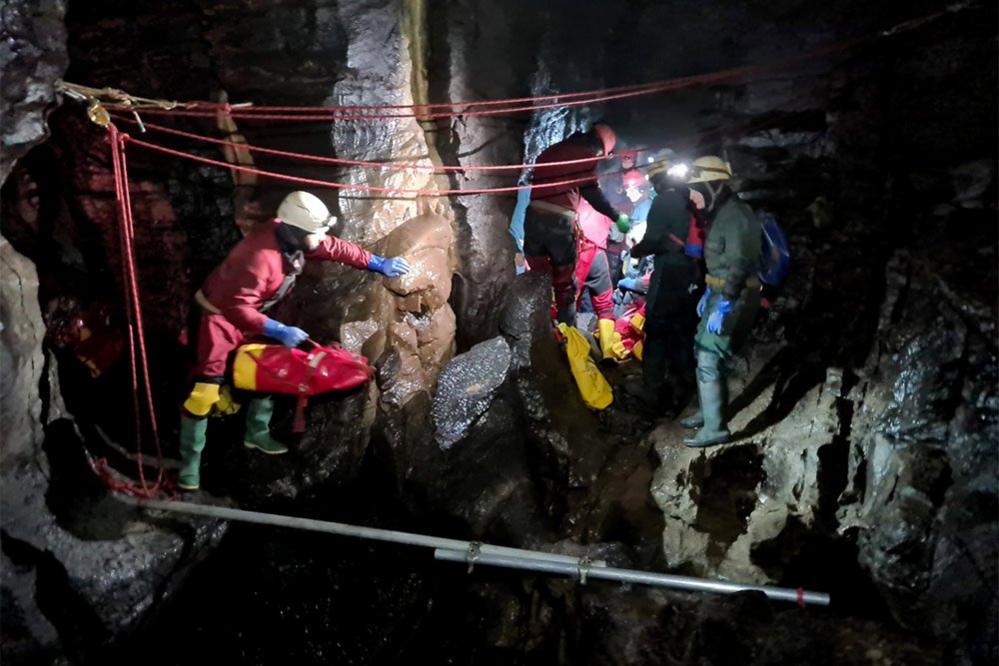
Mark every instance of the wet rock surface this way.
pixel 852 406
pixel 85 574
pixel 922 495
pixel 467 387
pixel 864 409
pixel 20 353
pixel 32 56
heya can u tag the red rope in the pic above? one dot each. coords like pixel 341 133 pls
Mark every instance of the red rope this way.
pixel 348 186
pixel 138 357
pixel 320 114
pixel 123 247
pixel 440 105
pixel 596 93
pixel 368 164
pixel 139 326
pixel 262 113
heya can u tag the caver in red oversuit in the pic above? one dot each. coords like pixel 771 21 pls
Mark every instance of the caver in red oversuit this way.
pixel 550 227
pixel 257 274
pixel 592 268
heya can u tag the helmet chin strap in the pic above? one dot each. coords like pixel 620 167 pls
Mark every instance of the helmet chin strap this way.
pixel 713 193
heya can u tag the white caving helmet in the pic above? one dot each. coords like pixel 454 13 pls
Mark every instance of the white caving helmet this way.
pixel 305 211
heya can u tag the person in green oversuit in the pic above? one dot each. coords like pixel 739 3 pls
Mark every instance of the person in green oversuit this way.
pixel 731 299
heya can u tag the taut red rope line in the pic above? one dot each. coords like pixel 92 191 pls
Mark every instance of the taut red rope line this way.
pixel 441 105
pixel 507 105
pixel 323 114
pixel 348 186
pixel 403 166
pixel 367 164
pixel 138 357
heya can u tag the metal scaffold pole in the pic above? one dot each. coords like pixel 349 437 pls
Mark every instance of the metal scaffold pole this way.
pixel 472 553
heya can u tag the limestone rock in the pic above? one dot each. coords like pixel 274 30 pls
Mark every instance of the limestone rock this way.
pixel 467 387
pixel 20 354
pixel 32 56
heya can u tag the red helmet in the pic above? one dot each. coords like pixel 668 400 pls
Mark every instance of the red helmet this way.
pixel 607 137
pixel 633 178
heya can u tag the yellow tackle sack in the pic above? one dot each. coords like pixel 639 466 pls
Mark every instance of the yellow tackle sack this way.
pixel 593 388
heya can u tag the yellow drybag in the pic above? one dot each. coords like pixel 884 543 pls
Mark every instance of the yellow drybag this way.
pixel 593 388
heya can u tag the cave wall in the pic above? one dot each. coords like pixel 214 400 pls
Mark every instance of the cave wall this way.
pixel 58 209
pixel 862 398
pixel 485 50
pixel 75 572
pixel 32 56
pixel 868 393
pixel 21 354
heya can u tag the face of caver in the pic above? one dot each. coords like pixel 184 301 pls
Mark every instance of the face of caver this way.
pixel 312 241
pixel 296 239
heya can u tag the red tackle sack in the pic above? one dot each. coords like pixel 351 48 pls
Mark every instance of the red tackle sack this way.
pixel 279 369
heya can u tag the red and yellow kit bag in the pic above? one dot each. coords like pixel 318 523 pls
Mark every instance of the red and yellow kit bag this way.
pixel 279 369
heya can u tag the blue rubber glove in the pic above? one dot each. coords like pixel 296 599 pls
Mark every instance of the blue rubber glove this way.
pixel 623 223
pixel 701 304
pixel 630 284
pixel 717 318
pixel 694 250
pixel 391 267
pixel 289 336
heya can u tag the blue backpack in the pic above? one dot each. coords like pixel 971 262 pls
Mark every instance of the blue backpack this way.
pixel 775 254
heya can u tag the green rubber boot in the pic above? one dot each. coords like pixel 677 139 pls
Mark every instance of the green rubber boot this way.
pixel 711 393
pixel 714 430
pixel 258 427
pixel 693 422
pixel 192 443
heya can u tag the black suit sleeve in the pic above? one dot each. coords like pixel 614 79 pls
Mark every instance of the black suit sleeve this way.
pixel 668 218
pixel 595 196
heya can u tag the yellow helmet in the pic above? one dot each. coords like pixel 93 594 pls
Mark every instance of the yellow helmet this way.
pixel 658 167
pixel 305 211
pixel 709 168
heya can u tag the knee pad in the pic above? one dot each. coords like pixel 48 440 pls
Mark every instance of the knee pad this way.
pixel 226 405
pixel 202 398
pixel 603 303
